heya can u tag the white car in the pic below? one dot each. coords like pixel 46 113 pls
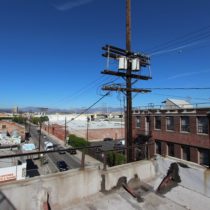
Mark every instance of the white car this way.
pixel 48 146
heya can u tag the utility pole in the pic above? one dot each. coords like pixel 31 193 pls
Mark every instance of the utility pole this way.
pixel 129 62
pixel 128 25
pixel 88 120
pixel 65 132
pixel 40 127
pixel 128 116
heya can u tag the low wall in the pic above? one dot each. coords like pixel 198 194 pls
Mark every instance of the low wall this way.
pixel 61 189
pixel 144 169
pixel 194 177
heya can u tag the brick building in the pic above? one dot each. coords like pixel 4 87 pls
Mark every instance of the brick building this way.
pixel 179 132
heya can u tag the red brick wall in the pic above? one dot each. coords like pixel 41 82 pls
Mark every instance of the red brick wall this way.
pixel 56 130
pixel 177 150
pixel 176 136
pixel 191 138
pixel 194 154
pixel 59 132
pixel 99 134
pixel 164 148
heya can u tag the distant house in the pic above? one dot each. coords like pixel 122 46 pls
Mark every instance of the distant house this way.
pixel 176 104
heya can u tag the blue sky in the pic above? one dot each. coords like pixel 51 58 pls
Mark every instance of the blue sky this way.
pixel 50 50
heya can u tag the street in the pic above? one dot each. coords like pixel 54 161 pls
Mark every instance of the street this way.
pixel 52 158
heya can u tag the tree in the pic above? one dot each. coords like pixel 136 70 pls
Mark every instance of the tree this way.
pixel 75 141
pixel 19 119
pixel 44 119
pixel 38 120
pixel 115 158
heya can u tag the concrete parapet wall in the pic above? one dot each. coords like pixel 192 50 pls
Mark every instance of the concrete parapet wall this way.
pixel 144 169
pixel 194 177
pixel 62 188
pixel 59 190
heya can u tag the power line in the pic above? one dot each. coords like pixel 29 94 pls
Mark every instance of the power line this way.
pixel 90 107
pixel 181 88
pixel 189 37
pixel 83 89
pixel 164 51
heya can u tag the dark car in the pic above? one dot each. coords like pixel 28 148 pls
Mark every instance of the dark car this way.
pixel 62 166
pixel 72 151
pixel 108 139
pixel 61 150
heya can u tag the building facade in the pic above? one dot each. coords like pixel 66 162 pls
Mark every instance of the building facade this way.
pixel 179 132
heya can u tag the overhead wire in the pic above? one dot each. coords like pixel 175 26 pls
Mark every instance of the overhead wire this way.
pixel 81 90
pixel 164 51
pixel 180 88
pixel 184 39
pixel 86 110
pixel 95 83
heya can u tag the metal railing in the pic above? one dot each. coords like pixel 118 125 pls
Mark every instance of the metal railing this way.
pixel 171 107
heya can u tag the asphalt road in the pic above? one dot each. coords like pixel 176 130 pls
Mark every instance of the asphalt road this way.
pixel 71 160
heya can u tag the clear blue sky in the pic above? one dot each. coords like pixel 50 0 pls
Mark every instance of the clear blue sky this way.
pixel 50 50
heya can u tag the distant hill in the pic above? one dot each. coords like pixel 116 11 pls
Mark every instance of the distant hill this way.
pixel 73 110
pixel 67 111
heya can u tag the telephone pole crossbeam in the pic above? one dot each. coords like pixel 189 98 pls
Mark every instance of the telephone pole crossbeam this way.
pixel 125 74
pixel 126 89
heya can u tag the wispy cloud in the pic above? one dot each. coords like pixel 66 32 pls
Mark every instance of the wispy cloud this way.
pixel 71 4
pixel 187 74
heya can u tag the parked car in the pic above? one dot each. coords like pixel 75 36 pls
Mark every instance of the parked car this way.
pixel 72 151
pixel 60 150
pixel 48 146
pixel 108 139
pixel 62 166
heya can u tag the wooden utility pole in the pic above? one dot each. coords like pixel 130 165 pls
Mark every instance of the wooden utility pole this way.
pixel 87 135
pixel 40 133
pixel 128 116
pixel 128 25
pixel 129 58
pixel 65 132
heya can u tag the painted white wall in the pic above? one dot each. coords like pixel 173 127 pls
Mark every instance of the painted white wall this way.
pixel 18 171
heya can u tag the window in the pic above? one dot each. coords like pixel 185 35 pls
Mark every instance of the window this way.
pixel 185 124
pixel 185 152
pixel 202 125
pixel 204 157
pixel 170 149
pixel 138 121
pixel 158 122
pixel 158 147
pixel 170 123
